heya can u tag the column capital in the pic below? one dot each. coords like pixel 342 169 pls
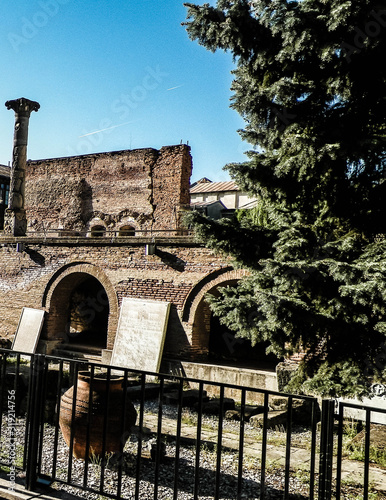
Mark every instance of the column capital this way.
pixel 22 106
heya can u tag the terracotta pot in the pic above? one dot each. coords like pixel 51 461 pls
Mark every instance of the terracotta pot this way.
pixel 114 435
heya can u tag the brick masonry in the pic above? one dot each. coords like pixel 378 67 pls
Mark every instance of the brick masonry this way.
pixel 46 273
pixel 64 267
pixel 144 188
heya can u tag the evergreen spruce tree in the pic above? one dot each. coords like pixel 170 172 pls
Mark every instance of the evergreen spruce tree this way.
pixel 310 83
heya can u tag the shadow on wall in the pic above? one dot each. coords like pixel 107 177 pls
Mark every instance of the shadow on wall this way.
pixel 86 205
pixel 36 257
pixel 171 260
pixel 177 344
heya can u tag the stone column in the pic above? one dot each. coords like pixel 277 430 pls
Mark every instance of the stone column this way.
pixel 15 222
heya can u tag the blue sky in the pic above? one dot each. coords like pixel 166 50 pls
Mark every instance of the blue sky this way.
pixel 125 68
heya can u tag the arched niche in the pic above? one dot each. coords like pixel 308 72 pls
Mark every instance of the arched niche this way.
pixel 82 307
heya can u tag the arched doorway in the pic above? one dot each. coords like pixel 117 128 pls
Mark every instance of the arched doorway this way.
pixel 82 307
pixel 214 343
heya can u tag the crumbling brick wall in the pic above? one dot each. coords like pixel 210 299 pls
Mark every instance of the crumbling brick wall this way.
pixel 171 185
pixel 143 188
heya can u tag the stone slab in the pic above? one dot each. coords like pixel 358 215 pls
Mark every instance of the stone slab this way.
pixel 377 401
pixel 106 356
pixel 28 330
pixel 141 334
pixel 225 374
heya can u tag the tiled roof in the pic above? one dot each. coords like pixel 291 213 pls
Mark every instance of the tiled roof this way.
pixel 5 171
pixel 199 204
pixel 214 187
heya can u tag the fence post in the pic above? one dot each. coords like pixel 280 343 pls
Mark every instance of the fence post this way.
pixel 37 370
pixel 326 449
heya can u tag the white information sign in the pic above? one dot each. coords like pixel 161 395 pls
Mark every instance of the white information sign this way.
pixel 141 334
pixel 28 331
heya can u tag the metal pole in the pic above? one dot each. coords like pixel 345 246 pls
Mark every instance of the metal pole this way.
pixel 326 450
pixel 34 429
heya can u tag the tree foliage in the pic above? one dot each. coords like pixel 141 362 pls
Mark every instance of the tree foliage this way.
pixel 310 83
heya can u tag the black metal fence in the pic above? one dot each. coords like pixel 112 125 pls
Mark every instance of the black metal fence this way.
pixel 122 433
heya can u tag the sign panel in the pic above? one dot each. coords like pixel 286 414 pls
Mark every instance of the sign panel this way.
pixel 28 330
pixel 377 399
pixel 141 334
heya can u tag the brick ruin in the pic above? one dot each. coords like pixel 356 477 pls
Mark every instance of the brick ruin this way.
pixel 90 221
pixel 143 189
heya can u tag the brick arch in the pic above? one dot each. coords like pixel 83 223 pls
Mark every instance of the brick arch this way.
pixel 210 281
pixel 59 288
pixel 197 312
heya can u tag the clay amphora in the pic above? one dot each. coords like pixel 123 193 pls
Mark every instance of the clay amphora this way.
pixel 115 435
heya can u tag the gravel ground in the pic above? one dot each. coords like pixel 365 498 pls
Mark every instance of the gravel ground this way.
pixel 299 482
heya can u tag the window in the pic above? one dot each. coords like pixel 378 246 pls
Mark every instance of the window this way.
pixel 97 231
pixel 4 193
pixel 127 231
pixel 4 196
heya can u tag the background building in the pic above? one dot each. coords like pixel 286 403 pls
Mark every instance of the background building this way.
pixel 218 199
pixel 5 173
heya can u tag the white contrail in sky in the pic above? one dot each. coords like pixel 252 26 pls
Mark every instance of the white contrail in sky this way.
pixel 173 88
pixel 104 129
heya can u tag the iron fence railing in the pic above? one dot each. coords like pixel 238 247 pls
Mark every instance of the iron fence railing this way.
pixel 362 421
pixel 69 423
